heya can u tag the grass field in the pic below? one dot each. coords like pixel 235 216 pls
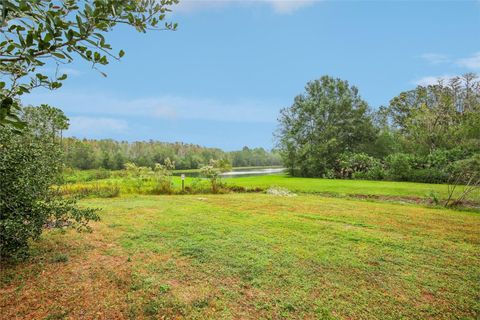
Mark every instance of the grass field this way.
pixel 348 187
pixel 335 187
pixel 253 256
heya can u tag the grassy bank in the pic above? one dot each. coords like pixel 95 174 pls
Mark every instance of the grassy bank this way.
pixel 253 257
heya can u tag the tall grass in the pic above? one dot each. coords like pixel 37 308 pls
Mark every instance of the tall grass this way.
pixel 91 190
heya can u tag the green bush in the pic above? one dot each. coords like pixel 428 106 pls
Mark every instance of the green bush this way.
pixel 465 169
pixel 359 166
pixel 213 171
pixel 428 175
pixel 30 164
pixel 399 166
pixel 442 159
pixel 162 175
pixel 100 174
pixel 373 173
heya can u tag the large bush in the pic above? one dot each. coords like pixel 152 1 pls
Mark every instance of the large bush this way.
pixel 428 175
pixel 30 165
pixel 359 166
pixel 465 169
pixel 399 166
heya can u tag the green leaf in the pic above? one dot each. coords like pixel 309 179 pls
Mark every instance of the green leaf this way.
pixel 58 55
pixel 29 39
pixel 48 37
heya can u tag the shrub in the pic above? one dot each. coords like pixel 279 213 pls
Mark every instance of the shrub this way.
pixel 374 173
pixel 359 166
pixel 465 169
pixel 329 174
pixel 399 166
pixel 465 172
pixel 213 171
pixel 428 175
pixel 442 159
pixel 437 159
pixel 197 185
pixel 162 174
pixel 29 165
pixel 159 179
pixel 138 175
pixel 434 197
pixel 100 174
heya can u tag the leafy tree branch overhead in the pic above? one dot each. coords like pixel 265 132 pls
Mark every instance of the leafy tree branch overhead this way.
pixel 36 33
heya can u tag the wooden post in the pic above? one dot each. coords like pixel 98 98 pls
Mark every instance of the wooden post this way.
pixel 183 183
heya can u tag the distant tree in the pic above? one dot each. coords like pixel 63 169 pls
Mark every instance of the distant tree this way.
pixel 111 154
pixel 46 120
pixel 329 119
pixel 39 33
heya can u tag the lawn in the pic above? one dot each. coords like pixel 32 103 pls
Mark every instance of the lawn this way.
pixel 385 190
pixel 253 256
pixel 348 187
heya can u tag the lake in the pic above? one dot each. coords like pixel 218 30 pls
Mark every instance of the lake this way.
pixel 237 172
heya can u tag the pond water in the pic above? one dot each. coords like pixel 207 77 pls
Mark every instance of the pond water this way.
pixel 251 172
pixel 243 172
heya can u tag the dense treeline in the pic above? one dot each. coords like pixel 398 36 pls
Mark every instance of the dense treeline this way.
pixel 427 134
pixel 111 154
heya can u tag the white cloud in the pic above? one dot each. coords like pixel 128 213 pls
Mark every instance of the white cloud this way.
pixel 431 80
pixel 70 71
pixel 58 71
pixel 472 62
pixel 160 107
pixel 194 5
pixel 279 6
pixel 435 58
pixel 80 126
pixel 285 6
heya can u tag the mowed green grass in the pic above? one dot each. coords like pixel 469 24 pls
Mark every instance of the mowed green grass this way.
pixel 348 187
pixel 335 187
pixel 253 256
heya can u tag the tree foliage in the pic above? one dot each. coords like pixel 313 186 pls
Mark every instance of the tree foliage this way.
pixel 328 119
pixel 111 154
pixel 422 135
pixel 46 33
pixel 437 116
pixel 29 168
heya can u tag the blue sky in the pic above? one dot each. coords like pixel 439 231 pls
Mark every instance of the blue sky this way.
pixel 222 77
